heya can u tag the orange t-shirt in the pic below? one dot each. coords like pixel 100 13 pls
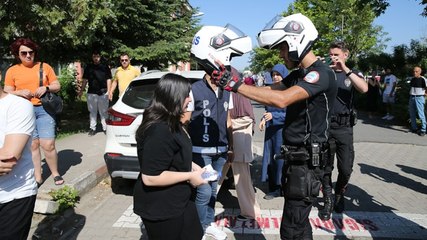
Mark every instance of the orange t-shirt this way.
pixel 20 77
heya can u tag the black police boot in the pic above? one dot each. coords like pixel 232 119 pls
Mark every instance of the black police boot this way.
pixel 325 213
pixel 339 203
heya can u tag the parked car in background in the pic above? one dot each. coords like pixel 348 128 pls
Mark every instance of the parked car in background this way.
pixel 124 118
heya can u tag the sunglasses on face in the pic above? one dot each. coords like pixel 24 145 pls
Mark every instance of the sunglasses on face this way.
pixel 25 53
pixel 124 60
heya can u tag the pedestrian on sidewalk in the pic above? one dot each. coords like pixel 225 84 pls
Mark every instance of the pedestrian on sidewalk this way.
pixel 18 187
pixel 23 79
pixel 341 131
pixel 417 100
pixel 308 93
pixel 389 94
pixel 163 190
pixel 123 76
pixel 273 121
pixel 98 76
pixel 242 121
pixel 210 126
pixel 373 94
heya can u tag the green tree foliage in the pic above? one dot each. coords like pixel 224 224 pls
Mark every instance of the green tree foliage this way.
pixel 401 61
pixel 263 59
pixel 153 32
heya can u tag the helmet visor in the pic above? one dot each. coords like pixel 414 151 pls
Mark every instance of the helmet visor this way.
pixel 272 22
pixel 229 34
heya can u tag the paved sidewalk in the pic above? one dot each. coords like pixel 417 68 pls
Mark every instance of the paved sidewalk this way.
pixel 81 164
pixel 386 198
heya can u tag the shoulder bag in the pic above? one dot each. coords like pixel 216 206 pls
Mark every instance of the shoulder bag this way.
pixel 52 103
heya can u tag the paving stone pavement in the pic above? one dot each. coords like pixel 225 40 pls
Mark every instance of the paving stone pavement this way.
pixel 386 200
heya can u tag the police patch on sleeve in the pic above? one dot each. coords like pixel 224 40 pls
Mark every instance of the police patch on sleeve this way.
pixel 312 77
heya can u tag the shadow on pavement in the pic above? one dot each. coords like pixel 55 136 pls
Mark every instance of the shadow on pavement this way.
pixel 60 226
pixel 382 223
pixel 421 173
pixel 393 177
pixel 242 230
pixel 377 121
pixel 66 159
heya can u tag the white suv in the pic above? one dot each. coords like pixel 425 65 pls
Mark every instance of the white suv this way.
pixel 124 118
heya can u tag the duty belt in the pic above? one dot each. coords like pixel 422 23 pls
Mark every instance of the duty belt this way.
pixel 314 155
pixel 341 119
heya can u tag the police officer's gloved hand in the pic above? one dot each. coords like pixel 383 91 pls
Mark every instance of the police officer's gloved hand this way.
pixel 225 80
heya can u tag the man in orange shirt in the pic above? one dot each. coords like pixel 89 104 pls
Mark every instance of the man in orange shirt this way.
pixel 124 75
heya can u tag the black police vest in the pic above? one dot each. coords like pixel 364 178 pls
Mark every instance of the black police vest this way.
pixel 208 126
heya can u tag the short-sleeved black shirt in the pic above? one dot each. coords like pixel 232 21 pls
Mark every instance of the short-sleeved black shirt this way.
pixel 97 76
pixel 344 100
pixel 161 150
pixel 311 115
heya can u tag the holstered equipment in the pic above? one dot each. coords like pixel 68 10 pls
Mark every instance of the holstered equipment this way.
pixel 345 119
pixel 303 170
pixel 315 155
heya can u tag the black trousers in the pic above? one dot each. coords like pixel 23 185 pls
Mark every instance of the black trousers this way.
pixel 184 227
pixel 341 144
pixel 15 218
pixel 295 222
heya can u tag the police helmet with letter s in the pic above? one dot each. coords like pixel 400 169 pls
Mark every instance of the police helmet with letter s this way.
pixel 219 43
pixel 296 30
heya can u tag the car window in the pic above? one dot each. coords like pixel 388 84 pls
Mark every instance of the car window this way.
pixel 139 93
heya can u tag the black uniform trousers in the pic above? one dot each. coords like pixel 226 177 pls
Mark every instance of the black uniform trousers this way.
pixel 295 223
pixel 341 144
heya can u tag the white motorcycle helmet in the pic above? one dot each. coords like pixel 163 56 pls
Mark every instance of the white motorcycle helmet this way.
pixel 296 29
pixel 219 43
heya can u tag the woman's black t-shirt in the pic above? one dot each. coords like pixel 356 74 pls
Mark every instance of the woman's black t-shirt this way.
pixel 161 150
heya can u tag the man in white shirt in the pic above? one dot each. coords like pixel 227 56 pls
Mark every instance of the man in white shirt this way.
pixel 389 93
pixel 18 187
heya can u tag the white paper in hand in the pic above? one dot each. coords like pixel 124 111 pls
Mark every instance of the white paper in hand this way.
pixel 210 174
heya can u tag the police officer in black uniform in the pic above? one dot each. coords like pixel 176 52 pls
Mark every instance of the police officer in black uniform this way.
pixel 341 134
pixel 308 93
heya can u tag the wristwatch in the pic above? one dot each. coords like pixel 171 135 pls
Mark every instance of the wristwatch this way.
pixel 349 72
pixel 47 88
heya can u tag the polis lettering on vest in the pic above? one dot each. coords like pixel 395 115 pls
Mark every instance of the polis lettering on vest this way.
pixel 206 114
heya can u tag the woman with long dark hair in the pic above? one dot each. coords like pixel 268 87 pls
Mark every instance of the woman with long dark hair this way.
pixel 162 195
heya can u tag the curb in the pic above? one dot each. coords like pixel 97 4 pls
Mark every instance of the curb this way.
pixel 83 184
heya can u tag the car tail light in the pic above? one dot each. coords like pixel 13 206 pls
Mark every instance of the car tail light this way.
pixel 114 154
pixel 119 119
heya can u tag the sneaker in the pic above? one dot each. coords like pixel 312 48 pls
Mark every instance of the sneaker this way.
pixel 390 117
pixel 105 132
pixel 386 116
pixel 216 233
pixel 91 133
pixel 272 195
pixel 421 134
pixel 339 203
